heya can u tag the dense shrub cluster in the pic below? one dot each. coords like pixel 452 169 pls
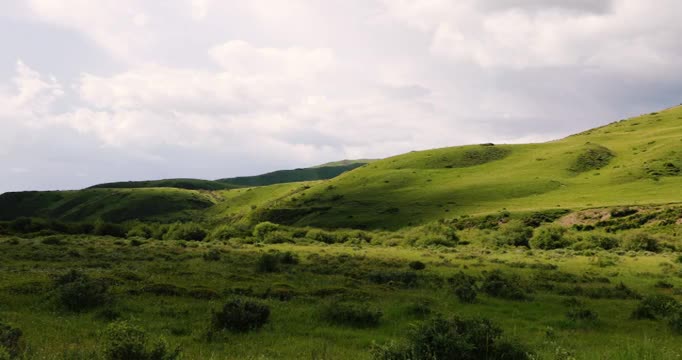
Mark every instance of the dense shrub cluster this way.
pixel 455 338
pixel 579 313
pixel 399 278
pixel 186 231
pixel 76 291
pixel 640 241
pixel 272 262
pixel 464 287
pixel 656 306
pixel 514 233
pixel 124 341
pixel 348 314
pixel 497 284
pixel 549 237
pixel 240 316
pixel 11 341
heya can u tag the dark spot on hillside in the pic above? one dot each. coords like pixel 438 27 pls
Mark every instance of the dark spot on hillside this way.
pixel 592 157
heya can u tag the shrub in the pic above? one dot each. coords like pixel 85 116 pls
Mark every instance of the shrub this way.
pixel 321 236
pixel 262 229
pixel 53 240
pixel 356 315
pixel 140 230
pixel 496 284
pixel 581 313
pixel 514 233
pixel 212 255
pixel 417 265
pixel 108 229
pixel 240 316
pixel 675 322
pixel 224 232
pixel 277 237
pixel 123 341
pixel 455 338
pixel 136 242
pixel 76 291
pixel 268 263
pixel 640 241
pixel 466 293
pixel 655 306
pixel 186 231
pixel 11 341
pixel 549 237
pixel 287 258
pixel 402 278
pixel 435 233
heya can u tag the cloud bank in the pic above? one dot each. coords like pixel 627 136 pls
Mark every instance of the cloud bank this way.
pixel 211 89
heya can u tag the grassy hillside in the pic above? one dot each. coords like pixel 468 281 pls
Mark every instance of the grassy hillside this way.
pixel 634 161
pixel 321 172
pixel 115 205
pixel 189 184
pixel 288 176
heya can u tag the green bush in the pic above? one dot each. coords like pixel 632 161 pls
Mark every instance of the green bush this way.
pixel 496 284
pixel 322 236
pixel 514 233
pixel 455 338
pixel 348 314
pixel 186 231
pixel 11 341
pixel 262 229
pixel 76 291
pixel 277 237
pixel 108 229
pixel 434 234
pixel 123 341
pixel 224 232
pixel 641 241
pixel 549 237
pixel 417 265
pixel 271 262
pixel 240 316
pixel 656 306
pixel 212 255
pixel 580 313
pixel 675 322
pixel 141 231
pixel 466 293
pixel 268 263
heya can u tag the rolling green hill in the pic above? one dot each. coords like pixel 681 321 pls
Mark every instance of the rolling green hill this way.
pixel 296 175
pixel 637 161
pixel 634 161
pixel 321 172
pixel 189 184
pixel 113 205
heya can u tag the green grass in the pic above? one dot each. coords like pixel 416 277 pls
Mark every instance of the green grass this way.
pixel 297 329
pixel 628 162
pixel 114 205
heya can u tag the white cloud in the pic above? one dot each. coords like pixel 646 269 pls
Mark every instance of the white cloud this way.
pixel 259 85
pixel 521 34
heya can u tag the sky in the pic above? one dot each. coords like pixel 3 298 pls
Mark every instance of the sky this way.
pixel 111 90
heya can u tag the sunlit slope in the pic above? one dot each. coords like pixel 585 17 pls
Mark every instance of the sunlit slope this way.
pixel 636 161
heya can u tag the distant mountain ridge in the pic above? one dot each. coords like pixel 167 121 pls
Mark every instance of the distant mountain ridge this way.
pixel 320 172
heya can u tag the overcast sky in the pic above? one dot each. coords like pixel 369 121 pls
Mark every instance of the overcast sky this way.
pixel 106 90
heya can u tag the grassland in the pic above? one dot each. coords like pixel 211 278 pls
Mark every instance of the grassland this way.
pixel 170 288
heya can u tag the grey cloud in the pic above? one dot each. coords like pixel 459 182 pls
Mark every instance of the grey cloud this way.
pixel 584 6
